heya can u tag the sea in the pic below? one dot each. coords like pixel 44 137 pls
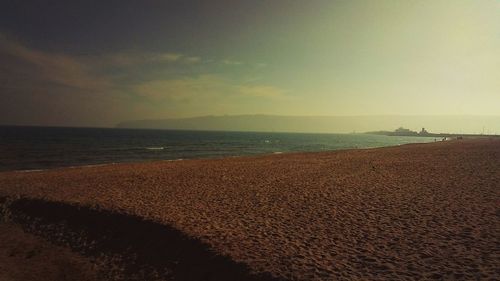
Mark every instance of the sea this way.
pixel 40 148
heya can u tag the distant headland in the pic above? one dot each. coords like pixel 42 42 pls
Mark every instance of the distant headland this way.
pixel 424 133
pixel 452 124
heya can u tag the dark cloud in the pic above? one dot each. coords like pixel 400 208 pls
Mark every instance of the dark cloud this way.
pixel 50 88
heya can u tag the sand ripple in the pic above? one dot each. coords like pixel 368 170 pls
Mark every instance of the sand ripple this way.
pixel 404 213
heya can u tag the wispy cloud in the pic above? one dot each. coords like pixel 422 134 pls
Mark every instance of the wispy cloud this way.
pixel 86 72
pixel 170 57
pixel 137 58
pixel 39 87
pixel 229 62
pixel 51 67
pixel 263 91
pixel 120 85
pixel 232 62
pixel 192 59
pixel 210 87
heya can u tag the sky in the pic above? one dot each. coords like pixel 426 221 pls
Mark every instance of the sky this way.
pixel 96 63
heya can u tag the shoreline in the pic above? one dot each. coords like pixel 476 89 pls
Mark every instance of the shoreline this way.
pixel 210 158
pixel 400 212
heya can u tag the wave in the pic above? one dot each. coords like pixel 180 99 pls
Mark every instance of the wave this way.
pixel 155 148
pixel 172 160
pixel 30 171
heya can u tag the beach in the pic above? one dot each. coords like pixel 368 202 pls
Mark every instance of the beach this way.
pixel 409 212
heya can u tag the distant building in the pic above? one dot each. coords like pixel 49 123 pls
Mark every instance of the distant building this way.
pixel 423 132
pixel 402 130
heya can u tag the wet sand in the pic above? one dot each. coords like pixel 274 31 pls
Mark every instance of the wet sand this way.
pixel 421 211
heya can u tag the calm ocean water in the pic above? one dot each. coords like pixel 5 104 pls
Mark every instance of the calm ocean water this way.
pixel 32 148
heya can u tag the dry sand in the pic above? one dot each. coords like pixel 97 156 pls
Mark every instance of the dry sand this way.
pixel 25 257
pixel 422 211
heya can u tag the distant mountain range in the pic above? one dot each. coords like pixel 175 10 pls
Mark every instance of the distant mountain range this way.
pixel 325 124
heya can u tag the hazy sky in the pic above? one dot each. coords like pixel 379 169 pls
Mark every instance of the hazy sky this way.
pixel 100 62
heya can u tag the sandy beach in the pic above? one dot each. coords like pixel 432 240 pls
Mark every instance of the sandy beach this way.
pixel 412 212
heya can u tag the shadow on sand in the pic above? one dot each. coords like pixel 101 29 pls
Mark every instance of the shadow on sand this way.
pixel 136 248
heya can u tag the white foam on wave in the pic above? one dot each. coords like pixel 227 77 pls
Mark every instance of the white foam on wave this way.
pixel 88 166
pixel 64 167
pixel 30 171
pixel 155 148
